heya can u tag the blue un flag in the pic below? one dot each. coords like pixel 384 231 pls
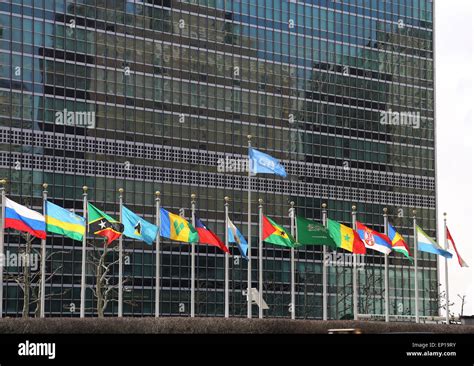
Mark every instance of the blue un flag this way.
pixel 264 163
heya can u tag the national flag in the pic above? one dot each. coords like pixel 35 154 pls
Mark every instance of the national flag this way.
pixel 64 222
pixel 428 245
pixel 264 163
pixel 174 227
pixel 21 218
pixel 276 234
pixel 234 236
pixel 206 236
pixel 310 232
pixel 373 239
pixel 136 227
pixel 345 237
pixel 398 243
pixel 451 244
pixel 102 224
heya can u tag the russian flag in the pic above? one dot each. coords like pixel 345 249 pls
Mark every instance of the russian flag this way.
pixel 21 218
pixel 206 236
pixel 373 239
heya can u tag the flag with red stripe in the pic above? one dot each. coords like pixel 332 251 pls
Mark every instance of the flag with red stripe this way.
pixel 451 244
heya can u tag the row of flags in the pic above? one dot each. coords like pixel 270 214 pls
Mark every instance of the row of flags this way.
pixel 356 239
pixel 59 220
pixel 337 235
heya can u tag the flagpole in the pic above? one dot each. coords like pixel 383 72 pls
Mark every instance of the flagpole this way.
pixel 385 230
pixel 226 258
pixel 3 182
pixel 292 252
pixel 446 246
pixel 83 264
pixel 354 269
pixel 415 257
pixel 120 275
pixel 325 269
pixel 260 257
pixel 249 234
pixel 157 255
pixel 43 256
pixel 193 253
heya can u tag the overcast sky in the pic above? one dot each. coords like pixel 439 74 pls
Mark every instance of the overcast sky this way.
pixel 454 97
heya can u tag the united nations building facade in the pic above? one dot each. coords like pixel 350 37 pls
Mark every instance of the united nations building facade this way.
pixel 157 95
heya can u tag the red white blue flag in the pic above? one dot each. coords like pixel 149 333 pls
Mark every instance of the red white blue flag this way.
pixel 206 236
pixel 373 239
pixel 21 218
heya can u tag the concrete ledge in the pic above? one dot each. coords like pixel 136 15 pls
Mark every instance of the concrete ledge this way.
pixel 181 325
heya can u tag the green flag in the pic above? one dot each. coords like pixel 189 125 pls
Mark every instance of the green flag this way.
pixel 276 234
pixel 102 224
pixel 312 233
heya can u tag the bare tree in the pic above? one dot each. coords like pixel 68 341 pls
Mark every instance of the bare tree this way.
pixel 369 290
pixel 103 289
pixel 26 275
pixel 30 283
pixel 106 285
pixel 463 302
pixel 439 300
pixel 344 309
